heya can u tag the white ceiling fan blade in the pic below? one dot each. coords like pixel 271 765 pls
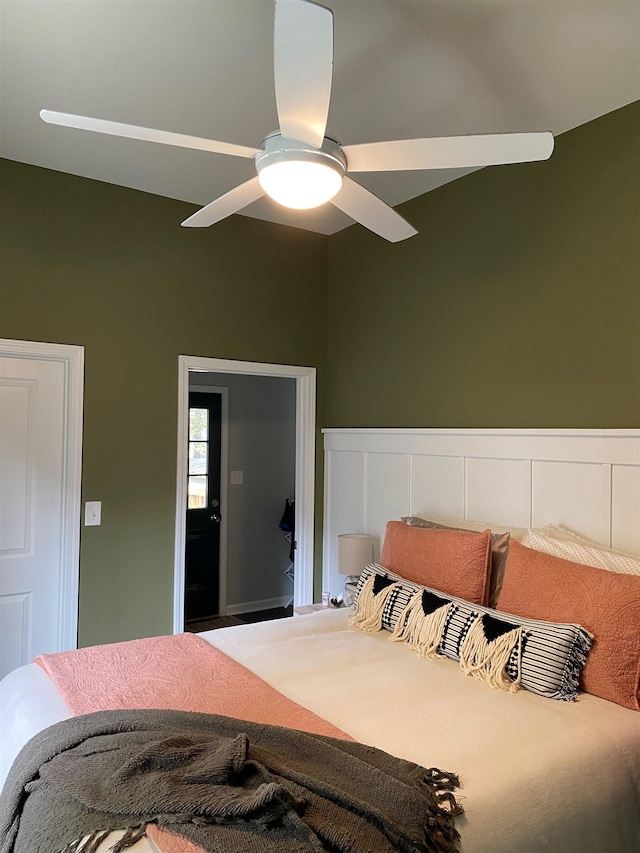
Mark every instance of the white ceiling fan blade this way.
pixel 148 134
pixel 303 68
pixel 370 211
pixel 227 204
pixel 449 152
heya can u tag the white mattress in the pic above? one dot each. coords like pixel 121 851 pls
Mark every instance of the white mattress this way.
pixel 538 774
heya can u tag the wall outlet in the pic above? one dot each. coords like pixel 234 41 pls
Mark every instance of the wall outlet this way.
pixel 92 513
pixel 236 478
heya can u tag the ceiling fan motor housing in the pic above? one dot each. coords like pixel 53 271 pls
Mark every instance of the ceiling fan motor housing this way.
pixel 277 147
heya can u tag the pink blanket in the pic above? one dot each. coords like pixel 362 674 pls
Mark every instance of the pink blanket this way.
pixel 182 672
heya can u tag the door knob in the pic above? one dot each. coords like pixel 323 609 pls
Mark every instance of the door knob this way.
pixel 215 517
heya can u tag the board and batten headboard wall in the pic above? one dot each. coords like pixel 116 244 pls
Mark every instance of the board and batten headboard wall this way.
pixel 588 480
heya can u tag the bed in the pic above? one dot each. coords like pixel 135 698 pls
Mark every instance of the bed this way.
pixel 537 774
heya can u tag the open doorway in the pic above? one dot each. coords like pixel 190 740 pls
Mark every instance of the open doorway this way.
pixel 233 531
pixel 236 592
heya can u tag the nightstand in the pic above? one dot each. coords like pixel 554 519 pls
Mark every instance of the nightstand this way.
pixel 309 608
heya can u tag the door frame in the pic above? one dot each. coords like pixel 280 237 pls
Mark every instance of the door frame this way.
pixel 224 485
pixel 305 467
pixel 72 359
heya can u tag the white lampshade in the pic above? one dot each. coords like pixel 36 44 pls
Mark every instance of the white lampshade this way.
pixel 354 552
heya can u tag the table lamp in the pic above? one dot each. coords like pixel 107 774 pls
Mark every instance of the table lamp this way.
pixel 354 554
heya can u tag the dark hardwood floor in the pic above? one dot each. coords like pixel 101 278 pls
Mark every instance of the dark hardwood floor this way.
pixel 194 626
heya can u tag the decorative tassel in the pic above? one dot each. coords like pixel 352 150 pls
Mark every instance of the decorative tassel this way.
pixel 131 837
pixel 421 627
pixel 486 658
pixel 87 844
pixel 371 602
pixel 96 842
pixel 578 658
pixel 91 843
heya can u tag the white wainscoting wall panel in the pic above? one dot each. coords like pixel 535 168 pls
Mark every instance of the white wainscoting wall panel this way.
pixel 498 488
pixel 346 513
pixel 588 480
pixel 575 494
pixel 625 496
pixel 386 490
pixel 438 481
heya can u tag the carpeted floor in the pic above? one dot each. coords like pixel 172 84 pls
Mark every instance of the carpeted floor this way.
pixel 195 626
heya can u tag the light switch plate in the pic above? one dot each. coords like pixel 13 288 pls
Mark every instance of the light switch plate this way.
pixel 92 513
pixel 236 478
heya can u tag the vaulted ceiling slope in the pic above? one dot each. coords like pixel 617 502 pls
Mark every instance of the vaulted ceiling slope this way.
pixel 402 69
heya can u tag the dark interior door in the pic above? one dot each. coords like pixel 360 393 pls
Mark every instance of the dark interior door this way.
pixel 202 558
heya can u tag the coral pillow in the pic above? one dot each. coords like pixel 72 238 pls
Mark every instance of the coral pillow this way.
pixel 453 561
pixel 499 551
pixel 540 586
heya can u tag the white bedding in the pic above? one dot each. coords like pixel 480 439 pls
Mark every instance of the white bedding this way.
pixel 538 774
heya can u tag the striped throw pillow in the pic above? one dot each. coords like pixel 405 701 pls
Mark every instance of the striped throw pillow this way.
pixel 552 654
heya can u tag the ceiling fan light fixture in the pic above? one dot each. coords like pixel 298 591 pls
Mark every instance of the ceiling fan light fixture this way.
pixel 300 184
pixel 297 176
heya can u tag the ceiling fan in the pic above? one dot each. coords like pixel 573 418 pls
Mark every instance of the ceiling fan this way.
pixel 299 166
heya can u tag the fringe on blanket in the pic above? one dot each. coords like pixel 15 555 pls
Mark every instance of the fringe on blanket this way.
pixel 440 834
pixel 371 602
pixel 91 843
pixel 421 624
pixel 486 659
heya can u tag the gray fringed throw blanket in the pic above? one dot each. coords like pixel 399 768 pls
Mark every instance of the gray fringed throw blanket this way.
pixel 228 785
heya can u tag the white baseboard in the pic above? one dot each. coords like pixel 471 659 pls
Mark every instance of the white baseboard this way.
pixel 260 604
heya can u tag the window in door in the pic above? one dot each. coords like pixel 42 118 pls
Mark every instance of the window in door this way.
pixel 202 555
pixel 197 489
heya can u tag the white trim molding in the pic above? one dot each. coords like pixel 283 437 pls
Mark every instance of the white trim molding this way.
pixel 305 467
pixel 585 479
pixel 72 358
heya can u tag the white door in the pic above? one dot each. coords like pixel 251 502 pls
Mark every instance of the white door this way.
pixel 40 436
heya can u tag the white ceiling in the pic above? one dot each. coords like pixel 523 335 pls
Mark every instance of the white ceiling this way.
pixel 403 69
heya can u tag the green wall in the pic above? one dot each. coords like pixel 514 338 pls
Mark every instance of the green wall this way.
pixel 82 262
pixel 517 304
